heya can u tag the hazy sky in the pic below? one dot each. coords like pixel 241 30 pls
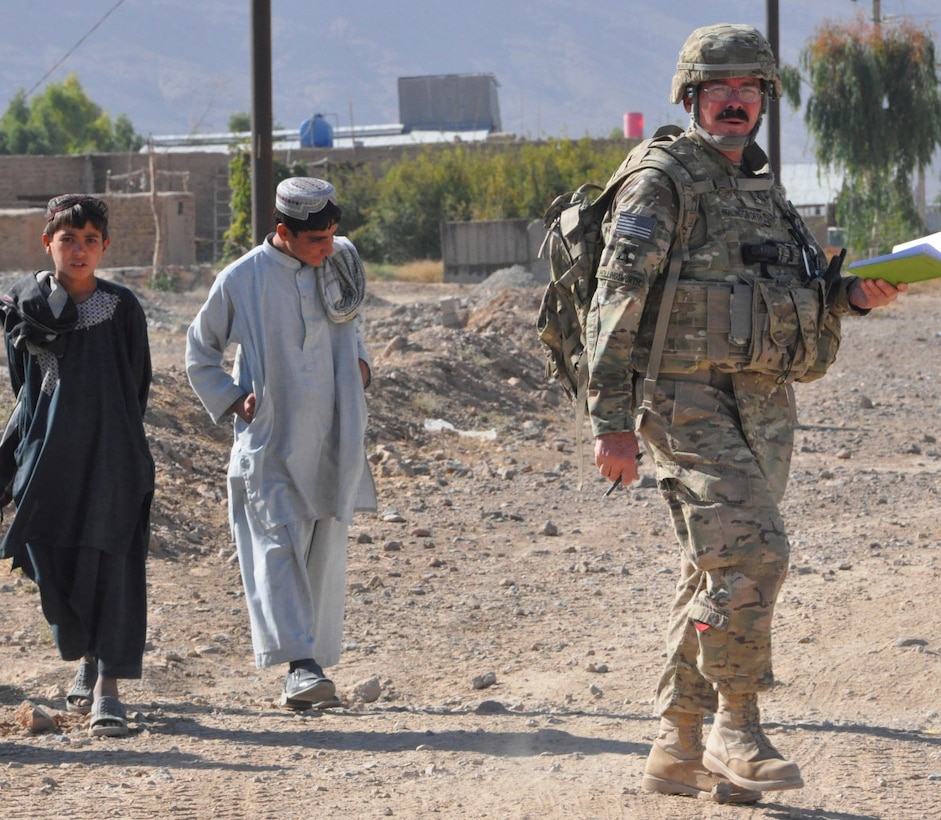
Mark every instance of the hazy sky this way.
pixel 564 68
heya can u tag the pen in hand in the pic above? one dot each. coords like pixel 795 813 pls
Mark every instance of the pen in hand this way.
pixel 617 481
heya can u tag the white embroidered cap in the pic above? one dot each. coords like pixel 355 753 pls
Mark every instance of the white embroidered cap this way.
pixel 299 197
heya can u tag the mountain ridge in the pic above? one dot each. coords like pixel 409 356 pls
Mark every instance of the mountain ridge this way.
pixel 184 66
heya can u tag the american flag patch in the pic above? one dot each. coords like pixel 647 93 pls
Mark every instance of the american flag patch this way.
pixel 640 227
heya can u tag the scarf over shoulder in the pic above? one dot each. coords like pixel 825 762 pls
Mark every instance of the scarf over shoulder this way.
pixel 38 313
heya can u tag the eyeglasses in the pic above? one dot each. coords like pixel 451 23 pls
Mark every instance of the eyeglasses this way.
pixel 720 93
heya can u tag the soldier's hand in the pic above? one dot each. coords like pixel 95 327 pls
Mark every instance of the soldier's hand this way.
pixel 616 456
pixel 866 294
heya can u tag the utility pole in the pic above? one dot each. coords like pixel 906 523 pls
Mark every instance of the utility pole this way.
pixel 876 12
pixel 262 164
pixel 774 107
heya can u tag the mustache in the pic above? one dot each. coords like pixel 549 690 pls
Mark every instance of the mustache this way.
pixel 732 114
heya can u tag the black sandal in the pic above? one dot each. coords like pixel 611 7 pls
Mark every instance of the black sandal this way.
pixel 108 718
pixel 83 688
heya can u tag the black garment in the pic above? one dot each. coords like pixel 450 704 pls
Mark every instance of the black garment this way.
pixel 30 321
pixel 95 603
pixel 84 465
pixel 85 476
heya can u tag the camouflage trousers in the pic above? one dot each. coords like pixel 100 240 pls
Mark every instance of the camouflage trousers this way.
pixel 733 547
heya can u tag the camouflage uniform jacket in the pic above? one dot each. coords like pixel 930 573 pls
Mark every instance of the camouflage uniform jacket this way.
pixel 641 232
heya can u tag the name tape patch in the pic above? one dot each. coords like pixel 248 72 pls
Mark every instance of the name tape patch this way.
pixel 630 279
pixel 640 227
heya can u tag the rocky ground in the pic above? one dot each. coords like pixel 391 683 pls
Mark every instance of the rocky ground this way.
pixel 504 628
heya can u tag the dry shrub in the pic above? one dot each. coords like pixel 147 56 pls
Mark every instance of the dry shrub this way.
pixel 422 270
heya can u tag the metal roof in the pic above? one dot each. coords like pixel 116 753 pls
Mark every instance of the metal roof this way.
pixel 367 136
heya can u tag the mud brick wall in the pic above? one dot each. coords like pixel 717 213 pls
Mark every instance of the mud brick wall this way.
pixel 132 229
pixel 35 180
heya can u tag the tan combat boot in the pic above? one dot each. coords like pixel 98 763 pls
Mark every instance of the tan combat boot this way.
pixel 738 749
pixel 675 766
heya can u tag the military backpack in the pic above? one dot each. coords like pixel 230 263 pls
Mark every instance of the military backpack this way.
pixel 573 245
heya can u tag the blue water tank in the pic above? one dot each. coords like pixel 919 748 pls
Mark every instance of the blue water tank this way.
pixel 316 132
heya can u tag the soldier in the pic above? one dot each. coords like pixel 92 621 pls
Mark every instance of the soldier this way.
pixel 756 307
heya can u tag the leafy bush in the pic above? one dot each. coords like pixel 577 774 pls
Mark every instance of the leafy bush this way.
pixel 395 215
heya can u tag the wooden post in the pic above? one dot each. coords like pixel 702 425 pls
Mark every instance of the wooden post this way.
pixel 158 235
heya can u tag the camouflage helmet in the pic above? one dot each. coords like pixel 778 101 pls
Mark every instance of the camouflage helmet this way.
pixel 724 51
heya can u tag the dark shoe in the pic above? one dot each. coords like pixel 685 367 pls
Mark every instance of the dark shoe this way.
pixel 80 696
pixel 306 686
pixel 108 718
pixel 303 705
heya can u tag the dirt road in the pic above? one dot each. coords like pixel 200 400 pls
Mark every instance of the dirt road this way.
pixel 504 629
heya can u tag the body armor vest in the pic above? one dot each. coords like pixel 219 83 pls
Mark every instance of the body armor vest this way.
pixel 749 296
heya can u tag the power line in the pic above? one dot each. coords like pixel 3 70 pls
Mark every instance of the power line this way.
pixel 72 50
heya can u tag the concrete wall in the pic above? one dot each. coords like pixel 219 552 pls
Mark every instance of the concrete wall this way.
pixel 35 180
pixel 32 181
pixel 133 232
pixel 472 251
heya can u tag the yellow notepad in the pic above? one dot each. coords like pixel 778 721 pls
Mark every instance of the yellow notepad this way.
pixel 909 262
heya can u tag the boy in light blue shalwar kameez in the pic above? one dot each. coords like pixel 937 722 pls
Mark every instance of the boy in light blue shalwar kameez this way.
pixel 298 469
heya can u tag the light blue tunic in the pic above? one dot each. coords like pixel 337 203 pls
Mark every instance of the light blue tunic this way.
pixel 302 457
pixel 298 471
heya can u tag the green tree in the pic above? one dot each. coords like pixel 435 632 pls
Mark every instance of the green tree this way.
pixel 416 195
pixel 125 138
pixel 238 236
pixel 357 189
pixel 63 120
pixel 17 136
pixel 240 122
pixel 875 114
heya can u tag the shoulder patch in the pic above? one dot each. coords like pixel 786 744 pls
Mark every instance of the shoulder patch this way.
pixel 635 225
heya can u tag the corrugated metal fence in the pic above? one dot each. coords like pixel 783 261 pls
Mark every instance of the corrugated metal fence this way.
pixel 472 251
